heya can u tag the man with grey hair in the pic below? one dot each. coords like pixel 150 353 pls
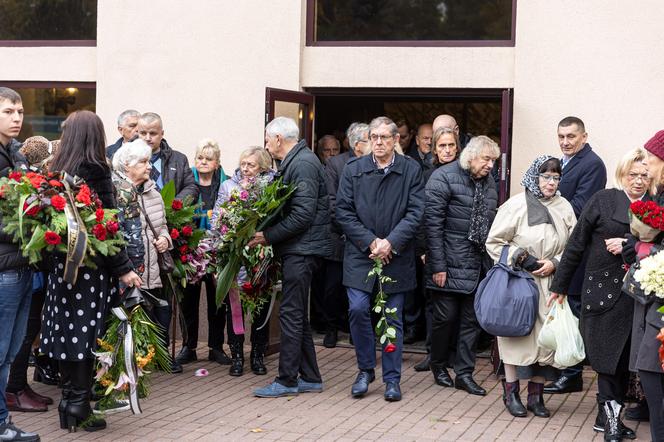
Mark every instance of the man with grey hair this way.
pixel 167 163
pixel 328 146
pixel 301 238
pixel 335 303
pixel 461 203
pixel 128 128
pixel 379 206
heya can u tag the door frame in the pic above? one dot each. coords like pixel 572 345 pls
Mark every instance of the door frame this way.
pixel 303 98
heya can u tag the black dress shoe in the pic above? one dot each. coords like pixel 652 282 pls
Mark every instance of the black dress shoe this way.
pixel 639 413
pixel 565 384
pixel 424 364
pixel 176 368
pixel 442 377
pixel 409 337
pixel 186 355
pixel 330 339
pixel 392 392
pixel 467 383
pixel 219 356
pixel 362 381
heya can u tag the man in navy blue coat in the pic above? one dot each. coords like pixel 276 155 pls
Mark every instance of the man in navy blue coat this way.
pixel 379 206
pixel 584 174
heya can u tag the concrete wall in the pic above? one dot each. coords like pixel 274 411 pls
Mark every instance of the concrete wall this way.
pixel 203 66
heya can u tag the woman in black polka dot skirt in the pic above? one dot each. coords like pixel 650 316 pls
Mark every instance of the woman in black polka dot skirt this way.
pixel 75 314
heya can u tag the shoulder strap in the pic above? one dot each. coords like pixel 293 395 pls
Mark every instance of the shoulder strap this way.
pixel 147 219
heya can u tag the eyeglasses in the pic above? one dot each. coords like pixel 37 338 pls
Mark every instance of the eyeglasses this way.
pixel 636 176
pixel 548 178
pixel 384 138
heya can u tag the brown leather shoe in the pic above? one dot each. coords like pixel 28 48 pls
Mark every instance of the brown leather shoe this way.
pixel 38 397
pixel 21 401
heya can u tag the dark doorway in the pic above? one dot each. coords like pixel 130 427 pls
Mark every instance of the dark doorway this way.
pixel 478 112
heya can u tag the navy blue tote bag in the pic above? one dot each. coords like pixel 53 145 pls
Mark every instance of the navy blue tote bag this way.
pixel 507 300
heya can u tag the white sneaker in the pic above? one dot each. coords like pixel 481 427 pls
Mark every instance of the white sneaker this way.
pixel 8 432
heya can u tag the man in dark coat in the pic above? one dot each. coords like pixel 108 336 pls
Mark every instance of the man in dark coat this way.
pixel 335 302
pixel 461 202
pixel 379 206
pixel 301 238
pixel 584 174
pixel 167 164
pixel 15 274
pixel 128 128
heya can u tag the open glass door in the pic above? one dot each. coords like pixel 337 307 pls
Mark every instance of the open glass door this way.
pixel 296 105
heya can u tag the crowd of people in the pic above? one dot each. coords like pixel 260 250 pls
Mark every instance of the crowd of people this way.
pixel 425 208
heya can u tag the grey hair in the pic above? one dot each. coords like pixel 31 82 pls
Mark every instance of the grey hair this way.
pixel 350 129
pixel 474 149
pixel 209 145
pixel 130 154
pixel 325 138
pixel 379 121
pixel 284 126
pixel 262 156
pixel 151 117
pixel 355 133
pixel 122 118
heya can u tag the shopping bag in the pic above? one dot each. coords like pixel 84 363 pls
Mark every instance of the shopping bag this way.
pixel 561 334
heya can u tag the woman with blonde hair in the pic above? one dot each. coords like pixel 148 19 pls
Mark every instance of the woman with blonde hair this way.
pixel 606 312
pixel 208 175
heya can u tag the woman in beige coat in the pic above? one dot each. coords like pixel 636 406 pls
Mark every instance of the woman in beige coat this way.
pixel 138 196
pixel 535 225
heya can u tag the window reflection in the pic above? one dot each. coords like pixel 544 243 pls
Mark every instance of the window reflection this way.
pixel 47 107
pixel 48 20
pixel 393 20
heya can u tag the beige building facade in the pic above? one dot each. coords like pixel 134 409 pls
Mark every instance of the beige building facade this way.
pixel 205 66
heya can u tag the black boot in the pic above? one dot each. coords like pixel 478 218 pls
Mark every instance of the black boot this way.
pixel 78 412
pixel 612 430
pixel 46 370
pixel 601 423
pixel 512 400
pixel 237 359
pixel 256 359
pixel 536 400
pixel 65 383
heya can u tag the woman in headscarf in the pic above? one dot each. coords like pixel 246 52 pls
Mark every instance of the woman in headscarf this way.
pixel 535 225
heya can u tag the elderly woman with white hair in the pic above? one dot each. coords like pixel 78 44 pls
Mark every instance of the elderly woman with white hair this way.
pixel 141 209
pixel 461 202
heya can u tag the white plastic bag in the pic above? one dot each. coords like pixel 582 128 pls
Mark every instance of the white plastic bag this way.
pixel 560 333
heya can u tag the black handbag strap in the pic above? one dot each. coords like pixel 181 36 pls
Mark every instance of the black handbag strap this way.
pixel 147 219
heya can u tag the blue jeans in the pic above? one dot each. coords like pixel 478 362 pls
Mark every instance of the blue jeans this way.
pixel 359 306
pixel 15 295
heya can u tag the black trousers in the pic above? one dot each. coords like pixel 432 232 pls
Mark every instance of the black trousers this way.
pixel 18 373
pixel 162 315
pixel 335 301
pixel 653 386
pixel 297 355
pixel 613 387
pixel 449 311
pixel 216 316
pixel 413 308
pixel 258 336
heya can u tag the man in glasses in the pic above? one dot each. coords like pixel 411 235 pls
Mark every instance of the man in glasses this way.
pixel 584 174
pixel 379 206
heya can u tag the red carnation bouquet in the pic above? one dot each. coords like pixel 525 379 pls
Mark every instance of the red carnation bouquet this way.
pixel 646 220
pixel 191 261
pixel 39 211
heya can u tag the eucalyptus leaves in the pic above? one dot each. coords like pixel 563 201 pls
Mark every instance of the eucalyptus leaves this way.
pixel 386 332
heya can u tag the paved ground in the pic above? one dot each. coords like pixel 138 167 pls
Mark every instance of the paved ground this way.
pixel 220 407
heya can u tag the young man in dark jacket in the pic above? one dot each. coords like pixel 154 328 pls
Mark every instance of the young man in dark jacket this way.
pixel 301 238
pixel 167 164
pixel 379 206
pixel 15 275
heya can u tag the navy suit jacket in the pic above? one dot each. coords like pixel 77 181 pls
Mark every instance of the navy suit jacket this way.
pixel 583 176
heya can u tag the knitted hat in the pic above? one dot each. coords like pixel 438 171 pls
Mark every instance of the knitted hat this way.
pixel 655 145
